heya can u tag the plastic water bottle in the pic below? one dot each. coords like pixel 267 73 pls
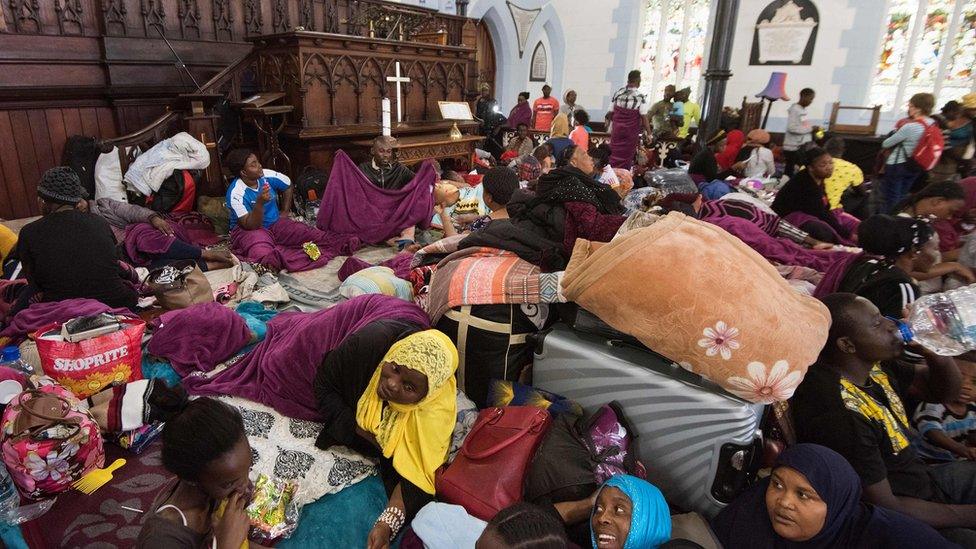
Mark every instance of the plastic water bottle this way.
pixel 11 359
pixel 312 207
pixel 9 497
pixel 944 323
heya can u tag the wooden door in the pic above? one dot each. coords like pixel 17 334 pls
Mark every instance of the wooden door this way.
pixel 485 58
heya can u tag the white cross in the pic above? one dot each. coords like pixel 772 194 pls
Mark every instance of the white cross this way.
pixel 399 97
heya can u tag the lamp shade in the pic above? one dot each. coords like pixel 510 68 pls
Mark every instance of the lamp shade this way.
pixel 776 88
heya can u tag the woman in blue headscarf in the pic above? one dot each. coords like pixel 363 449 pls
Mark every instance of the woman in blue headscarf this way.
pixel 812 499
pixel 630 513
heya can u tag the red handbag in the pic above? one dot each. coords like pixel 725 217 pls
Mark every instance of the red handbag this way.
pixel 488 473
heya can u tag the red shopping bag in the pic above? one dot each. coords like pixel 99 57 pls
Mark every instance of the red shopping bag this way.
pixel 88 366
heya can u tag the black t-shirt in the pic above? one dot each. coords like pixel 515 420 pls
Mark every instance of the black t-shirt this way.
pixel 821 416
pixel 803 194
pixel 887 286
pixel 73 254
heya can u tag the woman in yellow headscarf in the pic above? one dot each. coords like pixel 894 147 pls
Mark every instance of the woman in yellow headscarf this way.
pixel 405 415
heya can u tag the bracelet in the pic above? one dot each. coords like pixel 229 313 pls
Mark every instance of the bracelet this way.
pixel 394 518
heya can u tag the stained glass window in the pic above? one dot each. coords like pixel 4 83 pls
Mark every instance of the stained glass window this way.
pixel 673 44
pixel 928 46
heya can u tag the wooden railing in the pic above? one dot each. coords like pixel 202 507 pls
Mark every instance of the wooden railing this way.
pixel 539 137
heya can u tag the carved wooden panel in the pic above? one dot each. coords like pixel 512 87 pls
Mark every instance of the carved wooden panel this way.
pixel 113 13
pixel 253 18
pixel 189 14
pixel 223 20
pixel 306 14
pixel 330 16
pixel 69 14
pixel 153 17
pixel 26 15
pixel 279 16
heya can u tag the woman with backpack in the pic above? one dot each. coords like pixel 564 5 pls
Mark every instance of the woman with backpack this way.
pixel 902 168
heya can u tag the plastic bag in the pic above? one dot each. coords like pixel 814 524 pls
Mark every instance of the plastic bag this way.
pixel 88 366
pixel 673 180
pixel 273 511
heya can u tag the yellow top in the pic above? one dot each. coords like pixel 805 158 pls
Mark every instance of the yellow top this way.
pixel 845 175
pixel 8 239
pixel 692 113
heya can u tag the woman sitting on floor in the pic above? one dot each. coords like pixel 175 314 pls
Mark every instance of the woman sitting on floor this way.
pixel 261 231
pixel 755 159
pixel 893 248
pixel 205 446
pixel 400 408
pixel 704 165
pixel 813 499
pixel 938 202
pixel 70 252
pixel 803 202
pixel 590 209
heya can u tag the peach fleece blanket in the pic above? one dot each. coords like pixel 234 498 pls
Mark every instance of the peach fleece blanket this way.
pixel 700 296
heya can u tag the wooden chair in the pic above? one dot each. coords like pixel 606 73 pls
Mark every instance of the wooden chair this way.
pixel 750 116
pixel 854 129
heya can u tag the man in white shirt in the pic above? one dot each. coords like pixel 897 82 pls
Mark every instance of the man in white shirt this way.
pixel 799 131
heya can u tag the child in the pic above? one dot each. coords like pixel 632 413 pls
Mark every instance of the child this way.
pixel 205 446
pixel 581 134
pixel 499 184
pixel 454 198
pixel 946 429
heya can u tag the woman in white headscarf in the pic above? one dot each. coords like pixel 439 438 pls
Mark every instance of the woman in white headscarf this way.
pixel 569 107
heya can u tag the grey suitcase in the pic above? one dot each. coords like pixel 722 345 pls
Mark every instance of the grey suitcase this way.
pixel 701 445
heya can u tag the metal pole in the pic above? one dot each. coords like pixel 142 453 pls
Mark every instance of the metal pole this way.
pixel 717 72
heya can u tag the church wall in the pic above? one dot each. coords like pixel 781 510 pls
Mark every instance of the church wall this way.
pixel 591 46
pixel 602 40
pixel 843 64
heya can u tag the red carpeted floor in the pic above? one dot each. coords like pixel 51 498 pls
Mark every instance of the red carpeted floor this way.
pixel 98 520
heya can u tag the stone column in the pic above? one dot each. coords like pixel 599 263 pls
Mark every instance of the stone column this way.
pixel 717 72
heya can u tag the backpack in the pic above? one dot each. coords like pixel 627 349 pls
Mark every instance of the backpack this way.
pixel 80 154
pixel 311 179
pixel 930 146
pixel 49 439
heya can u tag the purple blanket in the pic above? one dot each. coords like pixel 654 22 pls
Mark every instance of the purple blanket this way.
pixel 779 250
pixel 280 245
pixel 39 315
pixel 199 337
pixel 143 241
pixel 400 263
pixel 354 205
pixel 280 371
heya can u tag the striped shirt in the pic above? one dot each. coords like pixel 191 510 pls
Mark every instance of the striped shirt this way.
pixel 630 98
pixel 904 141
pixel 937 418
